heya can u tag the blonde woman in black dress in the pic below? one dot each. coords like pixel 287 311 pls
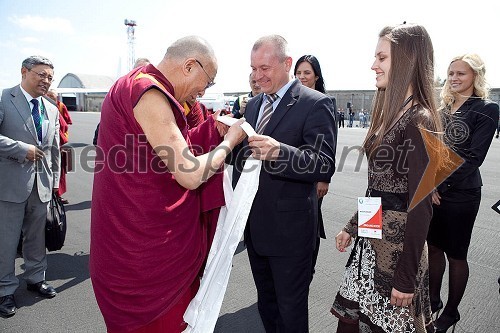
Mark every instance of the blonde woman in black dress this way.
pixel 470 123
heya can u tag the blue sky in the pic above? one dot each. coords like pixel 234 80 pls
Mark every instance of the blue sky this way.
pixel 89 37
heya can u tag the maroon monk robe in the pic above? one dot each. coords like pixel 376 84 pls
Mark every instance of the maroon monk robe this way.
pixel 64 121
pixel 195 114
pixel 212 192
pixel 147 240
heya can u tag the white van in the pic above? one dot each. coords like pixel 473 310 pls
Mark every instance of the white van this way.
pixel 214 101
pixel 217 101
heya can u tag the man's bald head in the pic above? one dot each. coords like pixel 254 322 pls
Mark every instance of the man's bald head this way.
pixel 191 47
pixel 190 66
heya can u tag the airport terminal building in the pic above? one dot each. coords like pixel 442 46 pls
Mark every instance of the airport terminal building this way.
pixel 84 92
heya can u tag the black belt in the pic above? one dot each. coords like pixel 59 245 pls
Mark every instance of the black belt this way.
pixel 392 201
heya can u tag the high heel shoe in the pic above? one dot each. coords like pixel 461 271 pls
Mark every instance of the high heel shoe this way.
pixel 449 322
pixel 436 308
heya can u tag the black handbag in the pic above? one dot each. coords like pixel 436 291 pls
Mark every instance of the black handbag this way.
pixel 55 226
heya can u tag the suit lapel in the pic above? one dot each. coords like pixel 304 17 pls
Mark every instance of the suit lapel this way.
pixel 47 107
pixel 23 109
pixel 284 105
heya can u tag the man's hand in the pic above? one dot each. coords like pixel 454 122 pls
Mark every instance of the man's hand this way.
pixel 243 106
pixel 264 147
pixel 322 189
pixel 34 153
pixel 400 299
pixel 236 134
pixel 222 128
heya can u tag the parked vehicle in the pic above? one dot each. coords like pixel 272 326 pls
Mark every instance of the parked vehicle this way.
pixel 213 101
pixel 217 101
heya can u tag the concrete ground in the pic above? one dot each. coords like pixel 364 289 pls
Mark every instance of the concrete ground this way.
pixel 75 309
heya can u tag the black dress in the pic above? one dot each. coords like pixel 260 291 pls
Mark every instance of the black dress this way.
pixel 469 132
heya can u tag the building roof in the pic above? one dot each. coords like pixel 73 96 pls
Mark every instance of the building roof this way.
pixel 90 81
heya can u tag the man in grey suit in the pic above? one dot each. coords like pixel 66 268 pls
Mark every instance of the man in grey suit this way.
pixel 296 140
pixel 29 169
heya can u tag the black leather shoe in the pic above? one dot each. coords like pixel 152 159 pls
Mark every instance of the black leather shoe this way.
pixel 7 306
pixel 43 289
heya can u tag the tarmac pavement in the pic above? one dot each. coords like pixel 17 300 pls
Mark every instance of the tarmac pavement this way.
pixel 74 309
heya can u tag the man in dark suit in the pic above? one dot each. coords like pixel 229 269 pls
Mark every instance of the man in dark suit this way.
pixel 29 169
pixel 297 146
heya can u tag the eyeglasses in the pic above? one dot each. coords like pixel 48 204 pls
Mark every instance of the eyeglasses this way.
pixel 42 76
pixel 210 80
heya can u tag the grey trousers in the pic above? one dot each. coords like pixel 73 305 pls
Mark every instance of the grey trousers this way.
pixel 30 217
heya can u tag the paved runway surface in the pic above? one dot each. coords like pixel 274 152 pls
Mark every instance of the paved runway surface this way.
pixel 75 309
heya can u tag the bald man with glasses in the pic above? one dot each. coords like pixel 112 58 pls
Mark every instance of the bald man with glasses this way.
pixel 148 238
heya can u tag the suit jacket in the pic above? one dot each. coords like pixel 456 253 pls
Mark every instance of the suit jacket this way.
pixel 469 132
pixel 17 132
pixel 283 219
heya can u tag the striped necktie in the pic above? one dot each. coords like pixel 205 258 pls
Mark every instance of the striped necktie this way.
pixel 267 113
pixel 35 113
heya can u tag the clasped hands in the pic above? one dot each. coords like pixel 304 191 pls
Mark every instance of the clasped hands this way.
pixel 263 147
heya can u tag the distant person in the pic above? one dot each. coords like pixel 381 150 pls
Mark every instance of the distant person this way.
pixel 282 228
pixel 351 117
pixel 361 116
pixel 64 122
pixel 308 72
pixel 241 102
pixel 29 169
pixel 385 286
pixel 341 118
pixel 138 63
pixel 366 118
pixel 148 242
pixel 141 62
pixel 465 104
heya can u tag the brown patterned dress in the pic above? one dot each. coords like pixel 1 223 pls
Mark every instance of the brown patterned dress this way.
pixel 398 260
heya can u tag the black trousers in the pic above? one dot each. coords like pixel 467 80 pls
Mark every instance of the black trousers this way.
pixel 282 288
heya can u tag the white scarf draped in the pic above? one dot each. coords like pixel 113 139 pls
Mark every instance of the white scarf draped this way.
pixel 203 311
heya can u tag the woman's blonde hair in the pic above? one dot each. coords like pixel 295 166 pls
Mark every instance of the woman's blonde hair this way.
pixel 481 87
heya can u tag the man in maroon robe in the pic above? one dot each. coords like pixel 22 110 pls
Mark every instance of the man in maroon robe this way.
pixel 64 122
pixel 148 242
pixel 212 192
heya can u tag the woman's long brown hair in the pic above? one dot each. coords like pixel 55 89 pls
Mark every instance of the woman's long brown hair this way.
pixel 412 66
